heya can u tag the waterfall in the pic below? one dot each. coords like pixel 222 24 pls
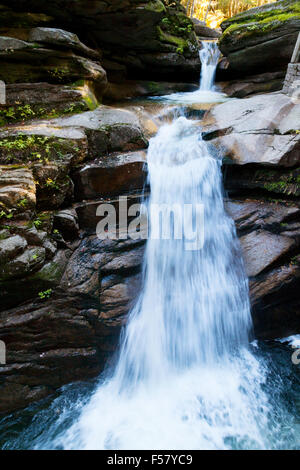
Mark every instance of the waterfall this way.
pixel 209 57
pixel 185 377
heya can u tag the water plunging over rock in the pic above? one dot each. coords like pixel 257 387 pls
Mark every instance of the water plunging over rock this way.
pixel 207 93
pixel 184 365
pixel 209 56
pixel 189 330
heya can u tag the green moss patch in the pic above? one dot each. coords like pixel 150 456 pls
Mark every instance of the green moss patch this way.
pixel 284 182
pixel 25 112
pixel 35 148
pixel 178 30
pixel 282 8
pixel 179 42
pixel 252 24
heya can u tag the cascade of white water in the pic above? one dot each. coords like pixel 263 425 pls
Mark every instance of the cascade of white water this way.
pixel 194 305
pixel 185 377
pixel 209 57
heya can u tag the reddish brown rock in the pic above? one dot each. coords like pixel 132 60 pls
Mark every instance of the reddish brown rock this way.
pixel 111 176
pixel 261 249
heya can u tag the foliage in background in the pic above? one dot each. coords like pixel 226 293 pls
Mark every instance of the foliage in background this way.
pixel 216 11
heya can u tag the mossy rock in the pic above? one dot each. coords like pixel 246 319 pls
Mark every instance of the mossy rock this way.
pixel 155 5
pixel 285 182
pixel 26 101
pixel 20 113
pixel 45 279
pixel 265 14
pixel 261 39
pixel 177 29
pixel 246 26
pixel 18 147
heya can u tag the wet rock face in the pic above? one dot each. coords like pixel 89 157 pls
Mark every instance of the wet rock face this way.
pixel 270 238
pixel 261 39
pixel 70 333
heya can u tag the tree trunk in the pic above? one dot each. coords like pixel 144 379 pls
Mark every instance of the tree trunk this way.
pixel 192 11
pixel 208 7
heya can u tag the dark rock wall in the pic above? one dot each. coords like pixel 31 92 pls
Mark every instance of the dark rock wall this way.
pixel 132 34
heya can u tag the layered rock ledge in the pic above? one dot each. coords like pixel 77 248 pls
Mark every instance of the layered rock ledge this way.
pixel 261 39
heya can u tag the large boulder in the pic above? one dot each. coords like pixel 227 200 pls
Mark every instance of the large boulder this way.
pixel 40 142
pixel 125 31
pixel 112 176
pixel 73 138
pixel 107 129
pixel 26 62
pixel 61 38
pixel 204 32
pixel 258 130
pixel 261 39
pixel 27 101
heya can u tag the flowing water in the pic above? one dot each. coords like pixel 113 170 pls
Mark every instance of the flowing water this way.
pixel 207 92
pixel 209 57
pixel 187 376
